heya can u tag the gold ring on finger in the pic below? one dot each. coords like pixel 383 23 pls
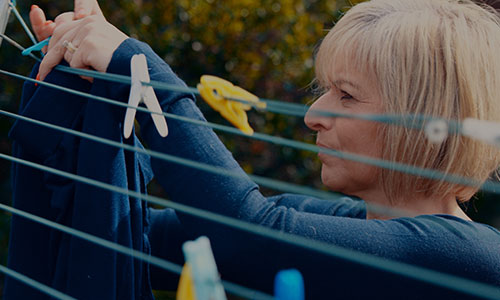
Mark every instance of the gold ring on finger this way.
pixel 69 46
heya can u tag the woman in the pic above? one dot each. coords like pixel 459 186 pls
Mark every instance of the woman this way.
pixel 431 57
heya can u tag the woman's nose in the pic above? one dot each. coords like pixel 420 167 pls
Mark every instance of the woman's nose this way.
pixel 315 117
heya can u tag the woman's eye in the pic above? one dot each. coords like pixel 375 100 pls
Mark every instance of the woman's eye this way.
pixel 345 96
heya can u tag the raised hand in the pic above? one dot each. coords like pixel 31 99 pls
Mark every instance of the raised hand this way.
pixel 94 41
pixel 44 28
pixel 83 38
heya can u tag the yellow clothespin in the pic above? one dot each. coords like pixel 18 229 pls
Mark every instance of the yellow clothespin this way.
pixel 199 278
pixel 216 91
pixel 185 291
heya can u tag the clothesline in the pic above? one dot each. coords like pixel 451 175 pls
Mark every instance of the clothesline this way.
pixel 489 186
pixel 413 121
pixel 418 273
pixel 159 262
pixel 435 128
pixel 140 150
pixel 275 106
pixel 410 121
pixel 264 181
pixel 236 289
pixel 414 272
pixel 274 184
pixel 116 189
pixel 35 284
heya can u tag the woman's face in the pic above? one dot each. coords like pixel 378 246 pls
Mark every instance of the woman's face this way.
pixel 350 92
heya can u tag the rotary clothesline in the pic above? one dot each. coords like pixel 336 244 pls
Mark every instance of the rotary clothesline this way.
pixel 35 284
pixel 264 181
pixel 154 154
pixel 448 281
pixel 131 148
pixel 489 186
pixel 159 262
pixel 435 128
pixel 414 272
pixel 200 213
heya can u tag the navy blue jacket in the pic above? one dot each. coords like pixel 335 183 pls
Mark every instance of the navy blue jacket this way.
pixel 440 242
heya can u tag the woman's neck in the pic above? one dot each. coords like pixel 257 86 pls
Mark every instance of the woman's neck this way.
pixel 412 207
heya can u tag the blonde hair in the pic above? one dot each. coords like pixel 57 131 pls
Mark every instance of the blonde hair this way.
pixel 438 58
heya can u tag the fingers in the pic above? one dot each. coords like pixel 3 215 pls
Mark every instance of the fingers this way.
pixel 64 23
pixel 66 30
pixel 57 51
pixel 97 41
pixel 84 8
pixel 91 46
pixel 37 19
pixel 78 61
pixel 64 18
pixel 87 28
pixel 42 28
pixel 94 39
pixel 54 56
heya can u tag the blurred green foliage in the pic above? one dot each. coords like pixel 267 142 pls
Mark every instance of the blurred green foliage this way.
pixel 264 46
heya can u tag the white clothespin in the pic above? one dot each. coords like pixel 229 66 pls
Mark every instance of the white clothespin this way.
pixel 486 131
pixel 199 257
pixel 142 93
pixel 5 9
pixel 436 131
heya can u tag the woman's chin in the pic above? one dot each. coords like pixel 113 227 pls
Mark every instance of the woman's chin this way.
pixel 333 183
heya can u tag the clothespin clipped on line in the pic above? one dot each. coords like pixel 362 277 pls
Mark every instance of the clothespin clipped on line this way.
pixel 36 47
pixel 289 285
pixel 218 93
pixel 486 131
pixel 140 93
pixel 4 16
pixel 436 131
pixel 185 290
pixel 199 278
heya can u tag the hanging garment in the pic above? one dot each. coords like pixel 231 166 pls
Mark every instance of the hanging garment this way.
pixel 69 264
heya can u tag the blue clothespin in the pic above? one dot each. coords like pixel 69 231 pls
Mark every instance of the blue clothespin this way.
pixel 289 285
pixel 37 47
pixel 199 257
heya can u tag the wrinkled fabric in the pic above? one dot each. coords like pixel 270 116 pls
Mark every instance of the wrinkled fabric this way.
pixel 70 264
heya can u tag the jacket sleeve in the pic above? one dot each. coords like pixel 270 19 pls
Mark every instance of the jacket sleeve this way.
pixel 235 196
pixel 251 259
